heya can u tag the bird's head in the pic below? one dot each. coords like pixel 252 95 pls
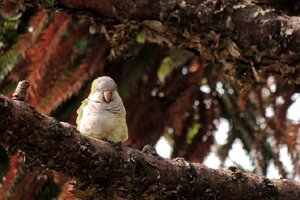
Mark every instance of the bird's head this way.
pixel 103 89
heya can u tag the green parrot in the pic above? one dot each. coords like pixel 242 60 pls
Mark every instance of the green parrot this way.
pixel 102 115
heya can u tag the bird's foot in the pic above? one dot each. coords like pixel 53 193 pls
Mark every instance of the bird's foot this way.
pixel 116 145
pixel 148 149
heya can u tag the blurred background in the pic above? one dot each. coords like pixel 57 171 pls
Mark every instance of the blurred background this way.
pixel 184 103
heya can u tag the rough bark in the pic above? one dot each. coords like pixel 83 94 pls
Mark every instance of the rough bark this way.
pixel 108 171
pixel 243 21
pixel 251 40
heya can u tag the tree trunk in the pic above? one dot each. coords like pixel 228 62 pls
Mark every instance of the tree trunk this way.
pixel 108 171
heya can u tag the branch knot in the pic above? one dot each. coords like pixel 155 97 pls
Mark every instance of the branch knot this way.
pixel 21 90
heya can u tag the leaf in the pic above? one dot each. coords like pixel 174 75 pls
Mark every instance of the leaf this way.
pixel 174 60
pixel 141 38
pixel 165 68
pixel 233 48
pixel 155 25
pixel 158 39
pixel 193 132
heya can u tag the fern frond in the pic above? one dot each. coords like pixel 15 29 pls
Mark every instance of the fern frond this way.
pixel 64 56
pixel 36 186
pixel 19 49
pixel 49 190
pixel 204 138
pixel 71 81
pixel 65 193
pixel 41 54
pixel 25 184
pixel 223 151
pixel 9 26
pixel 35 28
pixel 11 176
pixel 8 61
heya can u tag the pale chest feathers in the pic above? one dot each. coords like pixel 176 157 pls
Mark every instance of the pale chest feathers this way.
pixel 106 124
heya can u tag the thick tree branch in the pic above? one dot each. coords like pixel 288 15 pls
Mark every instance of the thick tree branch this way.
pixel 107 171
pixel 251 41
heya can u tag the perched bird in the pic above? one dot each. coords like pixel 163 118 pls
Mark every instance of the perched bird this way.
pixel 102 115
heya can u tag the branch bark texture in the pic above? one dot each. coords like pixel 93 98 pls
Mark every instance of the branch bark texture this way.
pixel 251 40
pixel 109 171
pixel 241 20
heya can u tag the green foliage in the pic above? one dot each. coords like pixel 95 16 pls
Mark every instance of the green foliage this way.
pixel 8 61
pixel 165 68
pixel 48 3
pixel 8 30
pixel 193 132
pixel 82 45
pixel 141 38
pixel 169 63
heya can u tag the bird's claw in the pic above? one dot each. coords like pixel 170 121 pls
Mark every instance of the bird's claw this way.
pixel 148 149
pixel 116 145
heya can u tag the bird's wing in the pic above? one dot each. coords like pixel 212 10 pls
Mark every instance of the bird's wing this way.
pixel 80 112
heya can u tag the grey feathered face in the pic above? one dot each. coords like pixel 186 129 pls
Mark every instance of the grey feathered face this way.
pixel 106 83
pixel 106 87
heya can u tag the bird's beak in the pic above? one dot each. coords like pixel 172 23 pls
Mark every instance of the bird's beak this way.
pixel 107 96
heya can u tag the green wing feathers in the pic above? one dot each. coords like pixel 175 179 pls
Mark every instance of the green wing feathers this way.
pixel 80 112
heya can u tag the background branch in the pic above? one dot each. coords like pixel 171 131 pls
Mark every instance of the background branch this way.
pixel 256 37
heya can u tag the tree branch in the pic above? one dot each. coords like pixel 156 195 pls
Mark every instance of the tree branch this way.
pixel 107 171
pixel 251 41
